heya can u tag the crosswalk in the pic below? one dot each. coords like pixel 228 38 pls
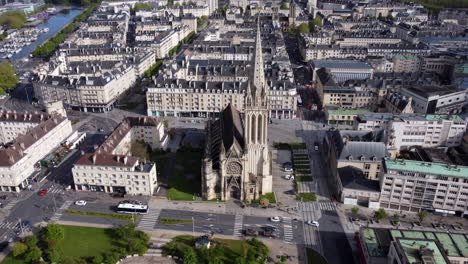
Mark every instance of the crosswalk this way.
pixel 288 230
pixel 238 225
pixel 8 225
pixel 56 190
pixel 59 212
pixel 11 204
pixel 148 221
pixel 327 206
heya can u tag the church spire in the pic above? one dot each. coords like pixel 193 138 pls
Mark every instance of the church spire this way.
pixel 259 72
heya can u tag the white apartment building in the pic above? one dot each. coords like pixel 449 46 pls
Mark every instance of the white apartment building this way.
pixel 35 136
pixel 436 99
pixel 112 168
pixel 409 185
pixel 114 173
pixel 202 99
pixel 432 131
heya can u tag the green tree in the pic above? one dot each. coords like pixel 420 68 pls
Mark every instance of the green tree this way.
pixel 33 254
pixel 19 249
pixel 380 214
pixel 303 28
pixel 284 6
pixel 142 6
pixel 190 256
pixel 99 259
pixel 355 210
pixel 422 215
pixel 31 241
pixel 8 78
pixel 53 232
pixel 13 19
pixel 53 255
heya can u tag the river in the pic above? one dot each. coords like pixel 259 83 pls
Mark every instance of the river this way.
pixel 54 24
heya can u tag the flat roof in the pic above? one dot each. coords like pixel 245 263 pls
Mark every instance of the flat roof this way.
pixel 443 117
pixel 412 249
pixel 348 111
pixel 455 245
pixel 426 167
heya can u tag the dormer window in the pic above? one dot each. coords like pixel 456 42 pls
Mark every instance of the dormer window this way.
pixel 362 157
pixel 374 158
pixel 350 158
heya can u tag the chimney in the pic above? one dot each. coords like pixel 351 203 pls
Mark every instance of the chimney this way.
pixel 95 146
pixel 94 159
pixel 82 152
pixel 125 160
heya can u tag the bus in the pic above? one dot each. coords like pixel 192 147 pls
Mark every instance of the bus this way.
pixel 132 207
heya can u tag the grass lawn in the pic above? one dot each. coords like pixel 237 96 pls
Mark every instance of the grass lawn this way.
pixel 313 257
pixel 11 260
pixel 300 156
pixel 286 146
pixel 185 181
pixel 304 178
pixel 85 241
pixel 122 217
pixel 307 197
pixel 269 196
pixel 305 166
pixel 302 171
pixel 173 221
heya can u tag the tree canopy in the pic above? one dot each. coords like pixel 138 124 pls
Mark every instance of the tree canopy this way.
pixel 8 78
pixel 303 28
pixel 284 6
pixel 13 19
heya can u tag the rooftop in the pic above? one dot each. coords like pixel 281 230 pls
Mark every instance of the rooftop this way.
pixel 415 250
pixel 348 111
pixel 426 167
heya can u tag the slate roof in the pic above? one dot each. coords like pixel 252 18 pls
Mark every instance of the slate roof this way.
pixel 105 159
pixel 363 151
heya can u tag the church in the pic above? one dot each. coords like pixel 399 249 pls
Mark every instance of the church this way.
pixel 237 160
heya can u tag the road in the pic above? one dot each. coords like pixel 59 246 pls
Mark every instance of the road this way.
pixel 330 238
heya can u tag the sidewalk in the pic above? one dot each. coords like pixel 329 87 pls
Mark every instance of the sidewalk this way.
pixel 218 208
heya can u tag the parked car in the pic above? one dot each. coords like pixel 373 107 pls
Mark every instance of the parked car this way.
pixel 43 192
pixel 316 146
pixel 275 219
pixel 313 223
pixel 250 232
pixel 80 203
pixel 289 176
pixel 269 233
pixel 288 169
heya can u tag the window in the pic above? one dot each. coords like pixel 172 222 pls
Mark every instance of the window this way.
pixel 366 166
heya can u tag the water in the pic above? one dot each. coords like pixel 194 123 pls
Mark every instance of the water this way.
pixel 54 24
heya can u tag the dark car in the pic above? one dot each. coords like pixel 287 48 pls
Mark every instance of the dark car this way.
pixel 3 245
pixel 268 233
pixel 250 232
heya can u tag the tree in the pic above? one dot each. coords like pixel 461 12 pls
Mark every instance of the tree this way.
pixel 355 210
pixel 31 241
pixel 53 232
pixel 421 216
pixel 264 202
pixel 139 149
pixel 33 254
pixel 54 256
pixel 12 19
pixel 8 78
pixel 380 214
pixel 166 124
pixel 284 6
pixel 97 259
pixel 303 28
pixel 19 249
pixel 396 218
pixel 190 256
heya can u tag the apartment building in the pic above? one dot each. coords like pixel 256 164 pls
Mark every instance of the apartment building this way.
pixel 416 186
pixel 432 99
pixel 406 63
pixel 405 246
pixel 349 98
pixel 29 137
pixel 364 39
pixel 112 168
pixel 426 131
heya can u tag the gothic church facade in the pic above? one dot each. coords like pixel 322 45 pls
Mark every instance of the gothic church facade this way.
pixel 237 160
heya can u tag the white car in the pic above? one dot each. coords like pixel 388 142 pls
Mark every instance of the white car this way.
pixel 288 169
pixel 289 177
pixel 313 223
pixel 80 203
pixel 275 219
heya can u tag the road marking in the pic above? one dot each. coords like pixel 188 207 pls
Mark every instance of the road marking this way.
pixel 288 231
pixel 11 204
pixel 238 224
pixel 148 221
pixel 65 205
pixel 327 206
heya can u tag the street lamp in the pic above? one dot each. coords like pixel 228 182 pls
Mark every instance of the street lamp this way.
pixel 193 226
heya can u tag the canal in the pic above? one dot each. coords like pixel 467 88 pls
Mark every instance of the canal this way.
pixel 54 24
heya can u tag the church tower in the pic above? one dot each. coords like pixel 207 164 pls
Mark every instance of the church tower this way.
pixel 257 177
pixel 292 14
